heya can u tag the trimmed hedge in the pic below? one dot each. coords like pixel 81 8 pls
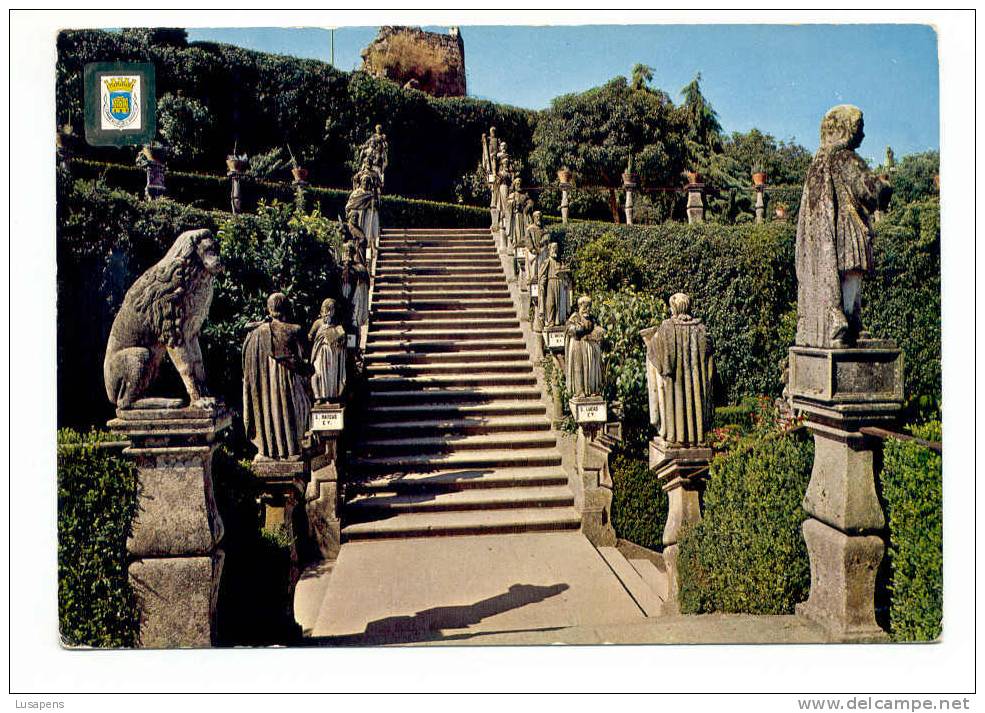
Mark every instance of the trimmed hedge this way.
pixel 748 554
pixel 97 500
pixel 261 100
pixel 742 283
pixel 639 504
pixel 912 489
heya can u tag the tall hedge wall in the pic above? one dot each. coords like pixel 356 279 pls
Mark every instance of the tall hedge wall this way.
pixel 742 283
pixel 261 100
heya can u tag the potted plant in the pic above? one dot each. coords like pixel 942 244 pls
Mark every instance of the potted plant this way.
pixel 237 163
pixel 758 175
pixel 629 177
pixel 155 151
pixel 300 174
pixel 693 176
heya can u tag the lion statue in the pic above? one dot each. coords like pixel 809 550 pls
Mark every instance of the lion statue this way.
pixel 163 312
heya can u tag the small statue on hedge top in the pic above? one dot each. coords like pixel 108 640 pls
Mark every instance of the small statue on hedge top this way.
pixel 834 240
pixel 276 403
pixel 679 374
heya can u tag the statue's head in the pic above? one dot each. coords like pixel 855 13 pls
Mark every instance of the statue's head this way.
pixel 516 183
pixel 842 127
pixel 536 217
pixel 585 306
pixel 680 305
pixel 378 129
pixel 552 249
pixel 277 305
pixel 328 308
pixel 492 130
pixel 196 245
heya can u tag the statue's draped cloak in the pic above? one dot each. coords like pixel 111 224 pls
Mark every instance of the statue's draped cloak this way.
pixel 276 405
pixel 364 203
pixel 833 237
pixel 680 370
pixel 582 356
pixel 554 291
pixel 355 283
pixel 328 354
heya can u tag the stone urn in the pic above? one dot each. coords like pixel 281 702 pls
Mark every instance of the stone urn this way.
pixel 693 176
pixel 237 164
pixel 759 178
pixel 629 179
pixel 300 174
pixel 564 176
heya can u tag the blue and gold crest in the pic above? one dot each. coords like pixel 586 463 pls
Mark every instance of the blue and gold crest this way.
pixel 120 102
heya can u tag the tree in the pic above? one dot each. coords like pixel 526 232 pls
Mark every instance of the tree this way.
pixel 702 130
pixel 595 132
pixel 642 76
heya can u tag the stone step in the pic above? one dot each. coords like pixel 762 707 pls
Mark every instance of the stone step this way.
pixel 645 598
pixel 435 292
pixel 421 346
pixel 438 279
pixel 458 459
pixel 379 504
pixel 453 410
pixel 473 354
pixel 409 252
pixel 434 231
pixel 460 334
pixel 432 304
pixel 387 315
pixel 462 367
pixel 383 270
pixel 477 522
pixel 437 258
pixel 457 426
pixel 477 394
pixel 421 445
pixel 459 479
pixel 378 326
pixel 428 382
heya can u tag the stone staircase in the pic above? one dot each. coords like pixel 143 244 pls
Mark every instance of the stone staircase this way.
pixel 456 438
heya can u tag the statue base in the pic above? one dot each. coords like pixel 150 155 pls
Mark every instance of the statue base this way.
pixel 323 497
pixel 592 485
pixel 840 391
pixel 554 339
pixel 176 558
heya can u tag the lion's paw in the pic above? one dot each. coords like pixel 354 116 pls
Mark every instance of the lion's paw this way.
pixel 208 403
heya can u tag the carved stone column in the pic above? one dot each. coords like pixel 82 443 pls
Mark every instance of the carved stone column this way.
pixel 841 391
pixel 565 187
pixel 760 203
pixel 695 203
pixel 323 498
pixel 592 485
pixel 175 554
pixel 682 473
pixel 629 183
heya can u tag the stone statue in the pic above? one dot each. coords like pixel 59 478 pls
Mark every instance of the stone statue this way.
pixel 679 373
pixel 328 354
pixel 363 204
pixel 535 241
pixel 834 250
pixel 583 351
pixel 162 313
pixel 520 207
pixel 504 180
pixel 555 288
pixel 375 152
pixel 276 404
pixel 355 280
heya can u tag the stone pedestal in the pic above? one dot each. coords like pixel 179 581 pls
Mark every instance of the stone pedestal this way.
pixel 630 201
pixel 841 391
pixel 760 204
pixel 592 485
pixel 565 187
pixel 176 559
pixel 323 497
pixel 155 187
pixel 695 203
pixel 682 472
pixel 235 191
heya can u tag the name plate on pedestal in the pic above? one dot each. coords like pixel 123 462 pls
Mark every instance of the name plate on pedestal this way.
pixel 350 341
pixel 554 339
pixel 521 253
pixel 327 420
pixel 593 411
pixel 534 289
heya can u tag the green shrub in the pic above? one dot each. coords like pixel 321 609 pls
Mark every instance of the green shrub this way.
pixel 748 554
pixel 97 500
pixel 912 490
pixel 639 504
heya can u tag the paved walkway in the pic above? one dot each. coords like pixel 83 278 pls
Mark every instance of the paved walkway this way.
pixel 534 588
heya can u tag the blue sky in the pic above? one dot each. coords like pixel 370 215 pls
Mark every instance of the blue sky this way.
pixel 778 78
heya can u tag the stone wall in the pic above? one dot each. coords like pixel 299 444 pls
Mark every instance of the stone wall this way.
pixel 428 61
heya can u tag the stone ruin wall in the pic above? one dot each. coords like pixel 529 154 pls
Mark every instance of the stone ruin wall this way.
pixel 428 61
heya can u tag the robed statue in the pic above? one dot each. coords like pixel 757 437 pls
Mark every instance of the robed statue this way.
pixel 555 288
pixel 276 403
pixel 355 281
pixel 328 354
pixel 834 238
pixel 680 370
pixel 364 205
pixel 583 351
